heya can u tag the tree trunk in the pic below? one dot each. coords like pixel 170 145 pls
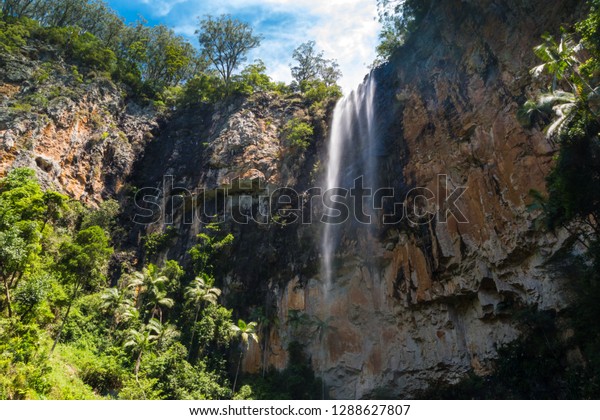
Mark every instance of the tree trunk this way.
pixel 7 294
pixel 264 366
pixel 138 362
pixel 193 332
pixel 237 372
pixel 56 340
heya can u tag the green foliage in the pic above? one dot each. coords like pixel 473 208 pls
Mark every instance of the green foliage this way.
pixel 226 41
pixel 96 373
pixel 202 88
pixel 84 260
pixel 398 18
pixel 84 48
pixel 317 92
pixel 298 133
pixel 23 363
pixel 177 379
pixel 296 382
pixel 14 34
pixel 214 333
pixel 124 341
pixel 157 242
pixel 210 243
pixel 158 57
pixel 312 67
pixel 254 75
pixel 105 216
pixel 141 389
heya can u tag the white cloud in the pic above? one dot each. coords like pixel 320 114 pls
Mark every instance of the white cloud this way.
pixel 161 7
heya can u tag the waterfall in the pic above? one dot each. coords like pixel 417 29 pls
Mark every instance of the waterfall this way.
pixel 351 155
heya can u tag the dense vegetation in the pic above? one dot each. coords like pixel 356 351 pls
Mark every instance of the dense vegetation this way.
pixel 158 332
pixel 153 61
pixel 398 19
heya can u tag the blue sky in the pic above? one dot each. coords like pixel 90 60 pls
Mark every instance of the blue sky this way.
pixel 345 29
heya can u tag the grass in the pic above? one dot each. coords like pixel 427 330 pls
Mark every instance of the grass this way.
pixel 64 377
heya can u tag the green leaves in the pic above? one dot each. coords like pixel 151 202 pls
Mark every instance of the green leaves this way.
pixel 298 133
pixel 245 332
pixel 559 59
pixel 226 41
pixel 312 69
pixel 398 19
pixel 200 291
pixel 84 260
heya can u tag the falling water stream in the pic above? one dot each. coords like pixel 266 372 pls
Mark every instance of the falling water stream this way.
pixel 351 154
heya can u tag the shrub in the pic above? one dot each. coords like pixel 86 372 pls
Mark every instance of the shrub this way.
pixel 298 133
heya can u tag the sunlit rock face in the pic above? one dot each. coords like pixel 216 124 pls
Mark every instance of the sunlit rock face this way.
pixel 409 305
pixel 81 135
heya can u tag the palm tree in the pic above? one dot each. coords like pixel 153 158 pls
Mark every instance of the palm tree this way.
pixel 561 103
pixel 559 59
pixel 166 333
pixel 245 332
pixel 118 302
pixel 142 342
pixel 153 287
pixel 197 293
pixel 158 300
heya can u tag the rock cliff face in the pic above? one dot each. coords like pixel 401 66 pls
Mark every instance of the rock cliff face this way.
pixel 409 304
pixel 75 129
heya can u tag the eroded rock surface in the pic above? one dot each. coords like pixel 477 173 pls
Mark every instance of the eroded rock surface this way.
pixel 80 134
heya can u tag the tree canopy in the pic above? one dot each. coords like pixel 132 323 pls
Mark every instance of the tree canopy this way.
pixel 310 66
pixel 226 42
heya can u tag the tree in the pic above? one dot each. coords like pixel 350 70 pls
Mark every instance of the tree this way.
pixel 166 334
pixel 20 8
pixel 570 111
pixel 298 133
pixel 226 42
pixel 214 334
pixel 200 292
pixel 17 247
pixel 82 265
pixel 398 19
pixel 559 59
pixel 141 342
pixel 119 303
pixel 311 67
pixel 207 248
pixel 161 57
pixel 21 207
pixel 244 332
pixel 253 78
pixel 155 290
pixel 55 204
